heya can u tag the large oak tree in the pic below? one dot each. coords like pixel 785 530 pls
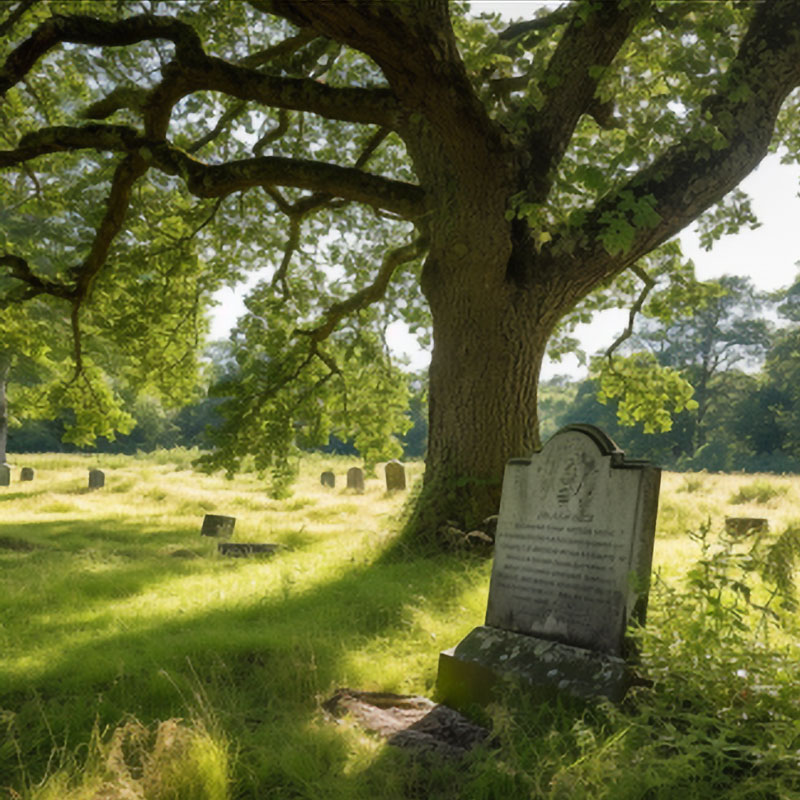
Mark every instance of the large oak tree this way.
pixel 524 167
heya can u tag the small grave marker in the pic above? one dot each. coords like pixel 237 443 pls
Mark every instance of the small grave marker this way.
pixel 745 526
pixel 572 562
pixel 328 479
pixel 27 474
pixel 355 479
pixel 218 525
pixel 97 479
pixel 395 476
pixel 5 475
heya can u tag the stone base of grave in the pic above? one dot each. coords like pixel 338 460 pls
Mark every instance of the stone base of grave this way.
pixel 487 657
pixel 244 549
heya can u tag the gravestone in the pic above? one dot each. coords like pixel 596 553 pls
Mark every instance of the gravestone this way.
pixel 328 479
pixel 355 479
pixel 572 562
pixel 745 526
pixel 5 475
pixel 218 525
pixel 27 474
pixel 395 476
pixel 97 479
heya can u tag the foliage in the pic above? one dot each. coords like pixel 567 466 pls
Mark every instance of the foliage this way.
pixel 758 492
pixel 486 184
pixel 659 391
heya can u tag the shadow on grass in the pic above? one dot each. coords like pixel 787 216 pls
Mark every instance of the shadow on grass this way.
pixel 263 662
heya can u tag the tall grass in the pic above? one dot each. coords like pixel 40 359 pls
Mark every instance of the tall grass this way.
pixel 135 659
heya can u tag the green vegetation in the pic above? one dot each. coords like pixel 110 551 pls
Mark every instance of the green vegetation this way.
pixel 134 659
pixel 485 184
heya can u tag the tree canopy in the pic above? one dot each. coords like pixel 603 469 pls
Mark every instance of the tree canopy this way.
pixel 383 160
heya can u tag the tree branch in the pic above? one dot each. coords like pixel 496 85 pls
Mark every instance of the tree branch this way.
pixel 715 155
pixel 193 70
pixel 21 270
pixel 649 283
pixel 369 294
pixel 569 85
pixel 8 23
pixel 206 180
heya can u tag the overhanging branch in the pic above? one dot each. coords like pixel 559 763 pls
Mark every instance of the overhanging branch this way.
pixel 712 158
pixel 589 43
pixel 216 180
pixel 369 294
pixel 194 70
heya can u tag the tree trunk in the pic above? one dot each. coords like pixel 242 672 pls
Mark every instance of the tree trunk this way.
pixel 489 342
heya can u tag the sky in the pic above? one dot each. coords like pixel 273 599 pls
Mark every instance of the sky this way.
pixel 769 255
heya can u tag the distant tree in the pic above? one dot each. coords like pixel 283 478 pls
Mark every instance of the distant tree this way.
pixel 704 331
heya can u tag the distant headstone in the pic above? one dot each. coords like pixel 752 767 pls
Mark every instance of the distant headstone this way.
pixel 218 525
pixel 328 479
pixel 572 561
pixel 355 479
pixel 395 476
pixel 5 475
pixel 97 479
pixel 27 474
pixel 244 549
pixel 745 526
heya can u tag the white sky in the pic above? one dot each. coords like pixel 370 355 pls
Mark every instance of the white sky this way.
pixel 768 255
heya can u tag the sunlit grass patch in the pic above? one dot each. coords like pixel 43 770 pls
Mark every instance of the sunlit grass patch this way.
pixel 122 614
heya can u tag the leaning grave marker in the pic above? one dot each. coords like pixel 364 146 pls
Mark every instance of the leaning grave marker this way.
pixel 572 562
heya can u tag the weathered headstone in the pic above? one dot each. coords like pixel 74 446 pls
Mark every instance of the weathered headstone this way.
pixel 328 479
pixel 745 526
pixel 243 549
pixel 355 479
pixel 27 474
pixel 572 561
pixel 395 476
pixel 5 475
pixel 218 525
pixel 97 479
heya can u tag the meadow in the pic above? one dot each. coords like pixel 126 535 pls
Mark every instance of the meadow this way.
pixel 138 664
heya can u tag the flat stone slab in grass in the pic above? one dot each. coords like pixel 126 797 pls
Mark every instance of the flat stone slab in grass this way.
pixel 244 549
pixel 572 562
pixel 745 526
pixel 411 722
pixel 218 525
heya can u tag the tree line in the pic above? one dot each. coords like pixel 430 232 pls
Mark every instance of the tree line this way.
pixel 735 348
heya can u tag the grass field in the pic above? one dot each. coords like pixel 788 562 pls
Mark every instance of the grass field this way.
pixel 137 663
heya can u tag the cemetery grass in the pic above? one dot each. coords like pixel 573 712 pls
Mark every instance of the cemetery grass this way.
pixel 137 663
